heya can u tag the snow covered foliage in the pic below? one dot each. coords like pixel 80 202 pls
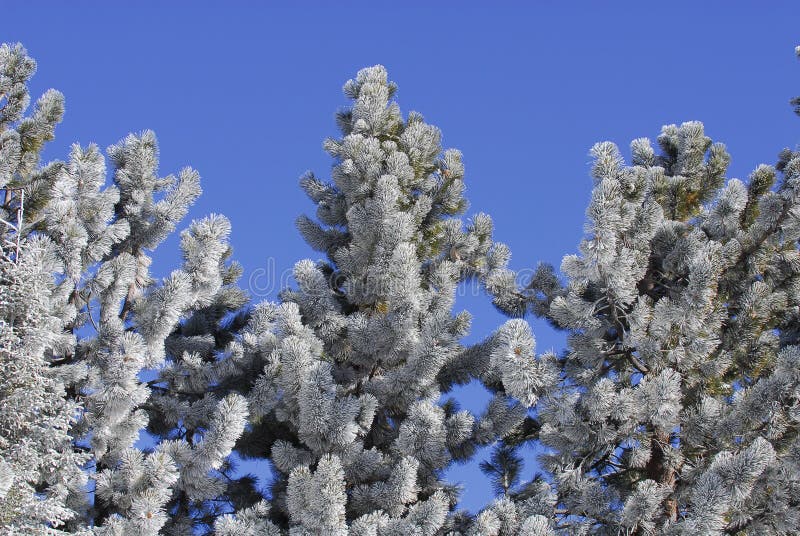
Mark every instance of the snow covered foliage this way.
pixel 339 386
pixel 677 408
pixel 82 318
pixel 358 355
pixel 41 478
pixel 673 410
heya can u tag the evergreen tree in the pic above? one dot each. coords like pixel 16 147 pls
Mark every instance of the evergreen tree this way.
pixel 356 358
pixel 97 322
pixel 673 410
pixel 41 477
pixel 676 411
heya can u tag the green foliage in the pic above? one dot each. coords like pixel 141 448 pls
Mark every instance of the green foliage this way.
pixel 503 468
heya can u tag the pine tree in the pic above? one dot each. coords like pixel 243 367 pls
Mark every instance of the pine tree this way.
pixel 673 410
pixel 42 482
pixel 98 322
pixel 41 477
pixel 387 434
pixel 356 358
pixel 676 411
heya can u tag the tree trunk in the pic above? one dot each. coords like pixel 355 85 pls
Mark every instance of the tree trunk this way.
pixel 658 469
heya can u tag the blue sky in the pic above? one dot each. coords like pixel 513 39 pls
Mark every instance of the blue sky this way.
pixel 246 93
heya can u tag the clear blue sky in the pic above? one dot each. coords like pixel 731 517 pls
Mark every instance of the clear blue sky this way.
pixel 246 94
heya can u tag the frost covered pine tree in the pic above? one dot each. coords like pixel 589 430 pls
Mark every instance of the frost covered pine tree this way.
pixel 73 356
pixel 674 409
pixel 677 408
pixel 354 361
pixel 348 370
pixel 41 477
